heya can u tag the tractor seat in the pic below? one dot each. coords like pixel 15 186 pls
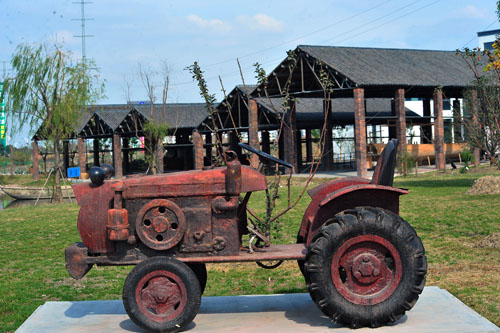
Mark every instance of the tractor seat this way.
pixel 384 171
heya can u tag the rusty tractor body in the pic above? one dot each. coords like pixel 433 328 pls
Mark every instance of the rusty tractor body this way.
pixel 363 264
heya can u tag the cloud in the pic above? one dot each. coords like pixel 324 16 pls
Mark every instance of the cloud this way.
pixel 471 12
pixel 215 25
pixel 261 22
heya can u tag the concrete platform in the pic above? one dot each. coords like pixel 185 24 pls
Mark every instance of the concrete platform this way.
pixel 436 311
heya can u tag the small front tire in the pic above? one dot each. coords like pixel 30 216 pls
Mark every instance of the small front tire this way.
pixel 162 294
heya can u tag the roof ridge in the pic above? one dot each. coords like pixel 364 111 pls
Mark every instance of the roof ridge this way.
pixel 372 48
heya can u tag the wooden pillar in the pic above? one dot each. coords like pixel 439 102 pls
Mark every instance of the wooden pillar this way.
pixel 160 152
pixel 197 151
pixel 266 143
pixel 96 152
pixel 117 156
pixel 309 157
pixel 360 131
pixel 475 110
pixel 253 131
pixel 426 131
pixel 36 166
pixel 65 157
pixel 289 137
pixel 457 122
pixel 233 143
pixel 439 130
pixel 81 155
pixel 399 107
pixel 126 155
pixel 208 147
pixel 327 156
pixel 281 147
pixel 298 142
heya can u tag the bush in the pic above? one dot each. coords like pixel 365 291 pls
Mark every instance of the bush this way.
pixel 405 163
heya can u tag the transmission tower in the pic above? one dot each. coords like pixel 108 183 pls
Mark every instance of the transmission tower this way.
pixel 83 35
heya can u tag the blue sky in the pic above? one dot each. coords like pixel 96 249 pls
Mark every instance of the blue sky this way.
pixel 216 33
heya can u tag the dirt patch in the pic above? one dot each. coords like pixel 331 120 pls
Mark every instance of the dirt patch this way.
pixel 492 240
pixel 485 185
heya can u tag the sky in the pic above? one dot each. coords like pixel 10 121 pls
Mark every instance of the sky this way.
pixel 216 33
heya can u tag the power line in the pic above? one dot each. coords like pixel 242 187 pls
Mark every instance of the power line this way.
pixel 489 25
pixel 301 36
pixel 349 37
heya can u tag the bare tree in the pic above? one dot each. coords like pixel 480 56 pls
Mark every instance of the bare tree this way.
pixel 156 128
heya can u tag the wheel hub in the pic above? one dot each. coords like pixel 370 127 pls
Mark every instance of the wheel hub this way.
pixel 366 269
pixel 161 295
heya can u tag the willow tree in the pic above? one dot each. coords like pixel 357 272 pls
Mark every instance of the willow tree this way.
pixel 49 93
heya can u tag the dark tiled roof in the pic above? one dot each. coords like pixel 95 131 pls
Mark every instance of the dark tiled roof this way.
pixel 178 115
pixel 398 67
pixel 342 105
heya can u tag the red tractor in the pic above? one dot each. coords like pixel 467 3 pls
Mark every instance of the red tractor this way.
pixel 363 264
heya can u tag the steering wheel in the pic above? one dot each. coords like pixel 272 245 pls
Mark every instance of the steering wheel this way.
pixel 265 156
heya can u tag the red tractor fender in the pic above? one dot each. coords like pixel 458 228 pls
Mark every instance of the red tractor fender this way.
pixel 336 196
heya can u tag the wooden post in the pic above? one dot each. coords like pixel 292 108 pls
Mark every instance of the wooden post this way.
pixel 298 149
pixel 81 155
pixel 266 143
pixel 96 152
pixel 126 156
pixel 117 156
pixel 327 157
pixel 438 130
pixel 399 106
pixel 426 130
pixel 475 108
pixel 36 166
pixel 160 152
pixel 65 157
pixel 360 131
pixel 253 131
pixel 197 151
pixel 289 137
pixel 309 157
pixel 457 122
pixel 208 147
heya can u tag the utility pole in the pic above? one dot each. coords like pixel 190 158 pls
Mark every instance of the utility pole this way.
pixel 83 35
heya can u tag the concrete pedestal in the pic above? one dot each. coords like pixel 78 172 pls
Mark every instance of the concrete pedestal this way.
pixel 436 311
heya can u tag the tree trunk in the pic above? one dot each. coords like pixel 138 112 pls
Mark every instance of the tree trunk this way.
pixel 58 190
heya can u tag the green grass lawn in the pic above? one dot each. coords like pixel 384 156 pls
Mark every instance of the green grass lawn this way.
pixel 450 223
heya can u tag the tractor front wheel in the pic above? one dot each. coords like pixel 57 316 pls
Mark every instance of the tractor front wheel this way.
pixel 365 267
pixel 162 294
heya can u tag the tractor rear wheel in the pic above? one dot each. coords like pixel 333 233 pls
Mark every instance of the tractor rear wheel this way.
pixel 365 267
pixel 161 294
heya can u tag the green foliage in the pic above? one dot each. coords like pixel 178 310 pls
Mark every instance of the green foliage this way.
pixel 467 158
pixel 156 130
pixel 48 91
pixel 260 74
pixel 405 163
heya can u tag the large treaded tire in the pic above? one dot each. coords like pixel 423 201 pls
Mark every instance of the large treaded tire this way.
pixel 162 294
pixel 365 233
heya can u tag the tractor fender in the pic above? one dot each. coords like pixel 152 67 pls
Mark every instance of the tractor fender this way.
pixel 324 207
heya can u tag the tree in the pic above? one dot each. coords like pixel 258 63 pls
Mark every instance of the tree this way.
pixel 48 93
pixel 156 128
